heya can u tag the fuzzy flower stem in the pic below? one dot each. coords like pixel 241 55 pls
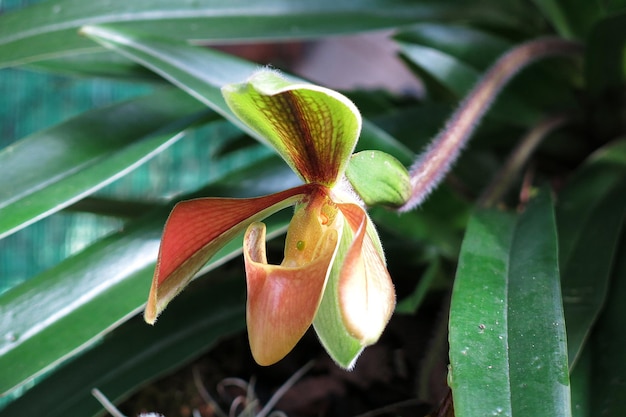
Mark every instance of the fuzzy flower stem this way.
pixel 431 166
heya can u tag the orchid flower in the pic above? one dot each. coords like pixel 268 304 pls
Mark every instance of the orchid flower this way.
pixel 333 274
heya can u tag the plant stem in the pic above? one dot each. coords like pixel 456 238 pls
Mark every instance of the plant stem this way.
pixel 284 388
pixel 431 166
pixel 515 162
pixel 108 405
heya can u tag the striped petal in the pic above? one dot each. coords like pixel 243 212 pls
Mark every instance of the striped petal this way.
pixel 313 128
pixel 196 230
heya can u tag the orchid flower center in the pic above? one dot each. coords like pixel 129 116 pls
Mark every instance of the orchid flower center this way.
pixel 312 221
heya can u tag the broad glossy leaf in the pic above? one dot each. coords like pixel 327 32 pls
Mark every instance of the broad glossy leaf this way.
pixel 50 29
pixel 54 168
pixel 66 309
pixel 202 73
pixel 537 334
pixel 135 352
pixel 479 298
pixel 590 217
pixel 507 335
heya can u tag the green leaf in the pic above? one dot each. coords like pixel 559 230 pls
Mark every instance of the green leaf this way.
pixel 452 59
pixel 50 29
pixel 590 216
pixel 571 18
pixel 579 378
pixel 66 309
pixel 478 48
pixel 379 178
pixel 480 298
pixel 507 333
pixel 451 74
pixel 608 369
pixel 101 63
pixel 136 352
pixel 604 65
pixel 599 378
pixel 51 169
pixel 202 73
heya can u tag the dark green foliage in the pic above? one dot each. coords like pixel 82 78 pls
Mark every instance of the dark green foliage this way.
pixel 80 231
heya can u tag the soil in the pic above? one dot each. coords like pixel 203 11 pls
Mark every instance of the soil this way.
pixel 402 375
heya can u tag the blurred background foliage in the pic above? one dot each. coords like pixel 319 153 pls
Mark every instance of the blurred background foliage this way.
pixel 102 132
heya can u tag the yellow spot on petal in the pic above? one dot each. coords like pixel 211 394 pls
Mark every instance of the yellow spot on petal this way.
pixel 300 245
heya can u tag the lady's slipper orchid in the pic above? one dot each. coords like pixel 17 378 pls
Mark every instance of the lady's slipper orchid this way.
pixel 333 273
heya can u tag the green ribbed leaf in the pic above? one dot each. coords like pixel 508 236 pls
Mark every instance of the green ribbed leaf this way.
pixel 202 73
pixel 507 334
pixel 590 216
pixel 68 308
pixel 50 29
pixel 54 168
pixel 136 353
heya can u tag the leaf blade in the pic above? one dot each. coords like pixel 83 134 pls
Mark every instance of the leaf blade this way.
pixel 505 272
pixel 50 170
pixel 537 337
pixel 590 217
pixel 44 31
pixel 202 73
pixel 484 254
pixel 97 289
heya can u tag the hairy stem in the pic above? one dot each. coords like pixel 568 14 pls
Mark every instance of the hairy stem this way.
pixel 431 166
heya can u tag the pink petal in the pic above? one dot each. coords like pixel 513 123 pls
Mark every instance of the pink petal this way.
pixel 196 230
pixel 366 293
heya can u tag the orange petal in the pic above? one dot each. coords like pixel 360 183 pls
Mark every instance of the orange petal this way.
pixel 196 230
pixel 366 293
pixel 282 300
